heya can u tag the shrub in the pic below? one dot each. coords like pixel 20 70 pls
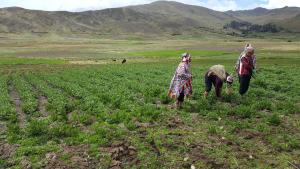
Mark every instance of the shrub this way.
pixel 286 107
pixel 103 133
pixel 37 128
pixel 212 129
pixel 60 130
pixel 165 99
pixel 262 105
pixel 213 116
pixel 244 112
pixel 274 119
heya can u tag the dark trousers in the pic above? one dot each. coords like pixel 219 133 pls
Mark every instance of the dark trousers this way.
pixel 213 80
pixel 244 83
pixel 181 97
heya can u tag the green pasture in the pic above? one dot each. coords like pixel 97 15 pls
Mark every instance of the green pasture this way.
pixel 176 53
pixel 30 61
pixel 101 113
pixel 102 106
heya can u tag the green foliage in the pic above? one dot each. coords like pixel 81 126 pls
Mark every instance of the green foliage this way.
pixel 30 61
pixel 244 112
pixel 100 106
pixel 284 142
pixel 212 129
pixel 165 99
pixel 27 95
pixel 246 27
pixel 103 133
pixel 61 130
pixel 35 150
pixel 176 53
pixel 263 105
pixel 37 128
pixel 6 108
pixel 274 119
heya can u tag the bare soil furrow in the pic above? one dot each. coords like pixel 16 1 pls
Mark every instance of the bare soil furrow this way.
pixel 15 98
pixel 42 103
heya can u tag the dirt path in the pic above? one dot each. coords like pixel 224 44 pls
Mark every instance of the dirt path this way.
pixel 42 102
pixel 3 130
pixel 14 95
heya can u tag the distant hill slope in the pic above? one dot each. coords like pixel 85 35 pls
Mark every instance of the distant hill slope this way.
pixel 281 16
pixel 185 15
pixel 156 18
pixel 292 24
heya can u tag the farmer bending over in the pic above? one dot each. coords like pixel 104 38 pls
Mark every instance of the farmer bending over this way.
pixel 216 75
pixel 181 84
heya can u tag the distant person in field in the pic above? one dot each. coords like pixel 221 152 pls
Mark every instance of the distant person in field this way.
pixel 246 68
pixel 181 84
pixel 216 75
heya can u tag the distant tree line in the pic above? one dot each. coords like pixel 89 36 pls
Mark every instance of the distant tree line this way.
pixel 246 27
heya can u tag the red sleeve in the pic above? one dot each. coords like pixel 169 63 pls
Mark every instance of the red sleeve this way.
pixel 246 63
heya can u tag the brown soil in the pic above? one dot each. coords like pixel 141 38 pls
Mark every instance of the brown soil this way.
pixel 175 122
pixel 3 128
pixel 42 102
pixel 197 154
pixel 79 158
pixel 177 143
pixel 6 150
pixel 155 148
pixel 84 128
pixel 121 152
pixel 14 95
pixel 250 135
pixel 25 163
pixel 54 162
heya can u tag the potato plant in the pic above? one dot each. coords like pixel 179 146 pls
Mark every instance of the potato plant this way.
pixel 103 107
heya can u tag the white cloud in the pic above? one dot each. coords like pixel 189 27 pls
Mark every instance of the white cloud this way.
pixel 220 5
pixel 282 3
pixel 101 4
pixel 70 5
pixel 79 5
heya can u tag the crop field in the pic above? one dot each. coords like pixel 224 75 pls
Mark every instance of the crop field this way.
pixel 55 114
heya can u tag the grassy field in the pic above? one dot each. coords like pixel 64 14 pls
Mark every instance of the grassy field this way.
pixel 98 113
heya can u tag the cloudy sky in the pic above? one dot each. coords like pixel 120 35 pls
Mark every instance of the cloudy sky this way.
pixel 79 5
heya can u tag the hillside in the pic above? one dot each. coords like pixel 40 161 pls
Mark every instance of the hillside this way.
pixel 281 16
pixel 292 24
pixel 158 17
pixel 161 17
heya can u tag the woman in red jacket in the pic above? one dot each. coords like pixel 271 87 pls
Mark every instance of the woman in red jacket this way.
pixel 246 68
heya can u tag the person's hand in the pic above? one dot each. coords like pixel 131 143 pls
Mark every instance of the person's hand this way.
pixel 228 91
pixel 205 94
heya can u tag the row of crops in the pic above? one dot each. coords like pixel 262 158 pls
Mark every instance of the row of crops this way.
pixel 97 106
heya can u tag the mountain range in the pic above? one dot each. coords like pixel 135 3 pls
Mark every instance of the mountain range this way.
pixel 156 18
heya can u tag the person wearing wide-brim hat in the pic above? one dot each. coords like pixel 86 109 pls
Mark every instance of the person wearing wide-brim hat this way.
pixel 181 84
pixel 216 75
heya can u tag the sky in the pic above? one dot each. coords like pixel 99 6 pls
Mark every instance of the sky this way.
pixel 82 5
